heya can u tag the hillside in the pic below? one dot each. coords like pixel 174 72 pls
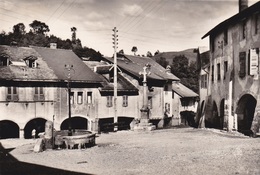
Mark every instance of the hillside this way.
pixel 170 55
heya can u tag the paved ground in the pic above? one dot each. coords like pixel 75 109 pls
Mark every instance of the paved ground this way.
pixel 169 151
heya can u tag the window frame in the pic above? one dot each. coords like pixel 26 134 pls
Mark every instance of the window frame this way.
pixel 80 98
pixel 109 101
pixel 125 100
pixel 12 93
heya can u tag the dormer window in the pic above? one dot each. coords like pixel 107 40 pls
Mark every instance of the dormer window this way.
pixel 31 61
pixel 4 60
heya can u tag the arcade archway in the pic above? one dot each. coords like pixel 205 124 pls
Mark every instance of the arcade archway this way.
pixel 76 123
pixel 38 124
pixel 8 129
pixel 245 113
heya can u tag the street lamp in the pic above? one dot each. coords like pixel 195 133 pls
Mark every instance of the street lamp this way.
pixel 69 68
pixel 145 109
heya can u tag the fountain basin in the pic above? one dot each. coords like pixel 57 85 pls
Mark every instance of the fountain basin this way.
pixel 79 139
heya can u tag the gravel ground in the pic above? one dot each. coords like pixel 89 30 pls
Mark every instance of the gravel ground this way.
pixel 169 151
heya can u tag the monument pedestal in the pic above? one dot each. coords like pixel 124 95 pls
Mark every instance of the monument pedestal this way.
pixel 144 124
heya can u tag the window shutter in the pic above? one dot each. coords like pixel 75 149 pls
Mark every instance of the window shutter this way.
pixel 242 62
pixel 253 62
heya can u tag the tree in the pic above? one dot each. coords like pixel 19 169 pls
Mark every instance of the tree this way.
pixel 134 49
pixel 19 29
pixel 149 54
pixel 121 52
pixel 157 52
pixel 39 27
pixel 162 61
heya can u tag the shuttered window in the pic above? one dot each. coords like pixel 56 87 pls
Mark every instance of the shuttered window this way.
pixel 12 94
pixel 109 101
pixel 125 100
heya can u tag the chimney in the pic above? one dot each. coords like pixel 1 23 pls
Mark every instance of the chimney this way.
pixel 242 4
pixel 53 45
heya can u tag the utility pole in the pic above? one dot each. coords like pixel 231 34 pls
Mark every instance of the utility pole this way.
pixel 115 43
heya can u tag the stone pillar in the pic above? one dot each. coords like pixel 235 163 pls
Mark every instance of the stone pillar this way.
pixel 48 136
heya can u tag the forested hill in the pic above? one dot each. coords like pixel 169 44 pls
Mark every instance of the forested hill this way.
pixel 38 35
pixel 183 65
pixel 189 53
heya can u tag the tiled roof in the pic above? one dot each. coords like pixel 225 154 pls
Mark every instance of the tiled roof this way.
pixel 183 91
pixel 18 71
pixel 123 85
pixel 50 65
pixel 58 58
pixel 135 64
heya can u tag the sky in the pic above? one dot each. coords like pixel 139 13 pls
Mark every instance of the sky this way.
pixel 150 25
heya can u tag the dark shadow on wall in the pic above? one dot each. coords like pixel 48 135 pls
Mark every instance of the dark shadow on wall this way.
pixel 9 165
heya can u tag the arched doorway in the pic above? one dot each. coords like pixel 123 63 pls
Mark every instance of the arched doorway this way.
pixel 213 119
pixel 76 123
pixel 8 129
pixel 202 110
pixel 245 113
pixel 38 124
pixel 222 113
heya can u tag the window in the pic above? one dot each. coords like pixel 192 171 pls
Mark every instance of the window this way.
pixel 204 83
pixel 243 30
pixel 109 101
pixel 253 61
pixel 218 71
pixel 31 61
pixel 72 98
pixel 12 94
pixel 225 69
pixel 226 37
pixel 38 94
pixel 150 102
pixel 3 61
pixel 89 97
pixel 242 63
pixel 125 100
pixel 80 98
pixel 212 74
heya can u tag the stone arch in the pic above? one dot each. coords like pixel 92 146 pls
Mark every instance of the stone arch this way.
pixel 77 122
pixel 9 129
pixel 245 113
pixel 222 113
pixel 38 124
pixel 213 121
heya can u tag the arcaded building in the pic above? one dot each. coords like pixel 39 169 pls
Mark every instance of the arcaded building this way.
pixel 231 100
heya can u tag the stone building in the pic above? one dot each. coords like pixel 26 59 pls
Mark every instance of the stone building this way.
pixel 232 76
pixel 159 85
pixel 34 89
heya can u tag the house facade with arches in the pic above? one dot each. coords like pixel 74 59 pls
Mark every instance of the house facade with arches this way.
pixel 34 89
pixel 230 99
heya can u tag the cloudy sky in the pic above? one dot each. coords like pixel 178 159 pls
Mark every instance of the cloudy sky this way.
pixel 150 25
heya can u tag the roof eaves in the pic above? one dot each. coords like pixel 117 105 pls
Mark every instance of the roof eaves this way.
pixel 235 18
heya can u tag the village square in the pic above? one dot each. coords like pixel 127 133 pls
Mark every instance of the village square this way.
pixel 67 109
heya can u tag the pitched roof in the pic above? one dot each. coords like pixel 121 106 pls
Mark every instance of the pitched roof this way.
pixel 50 65
pixel 17 70
pixel 58 58
pixel 235 19
pixel 135 64
pixel 123 85
pixel 183 91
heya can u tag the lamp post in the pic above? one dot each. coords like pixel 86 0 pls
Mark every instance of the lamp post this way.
pixel 145 109
pixel 69 69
